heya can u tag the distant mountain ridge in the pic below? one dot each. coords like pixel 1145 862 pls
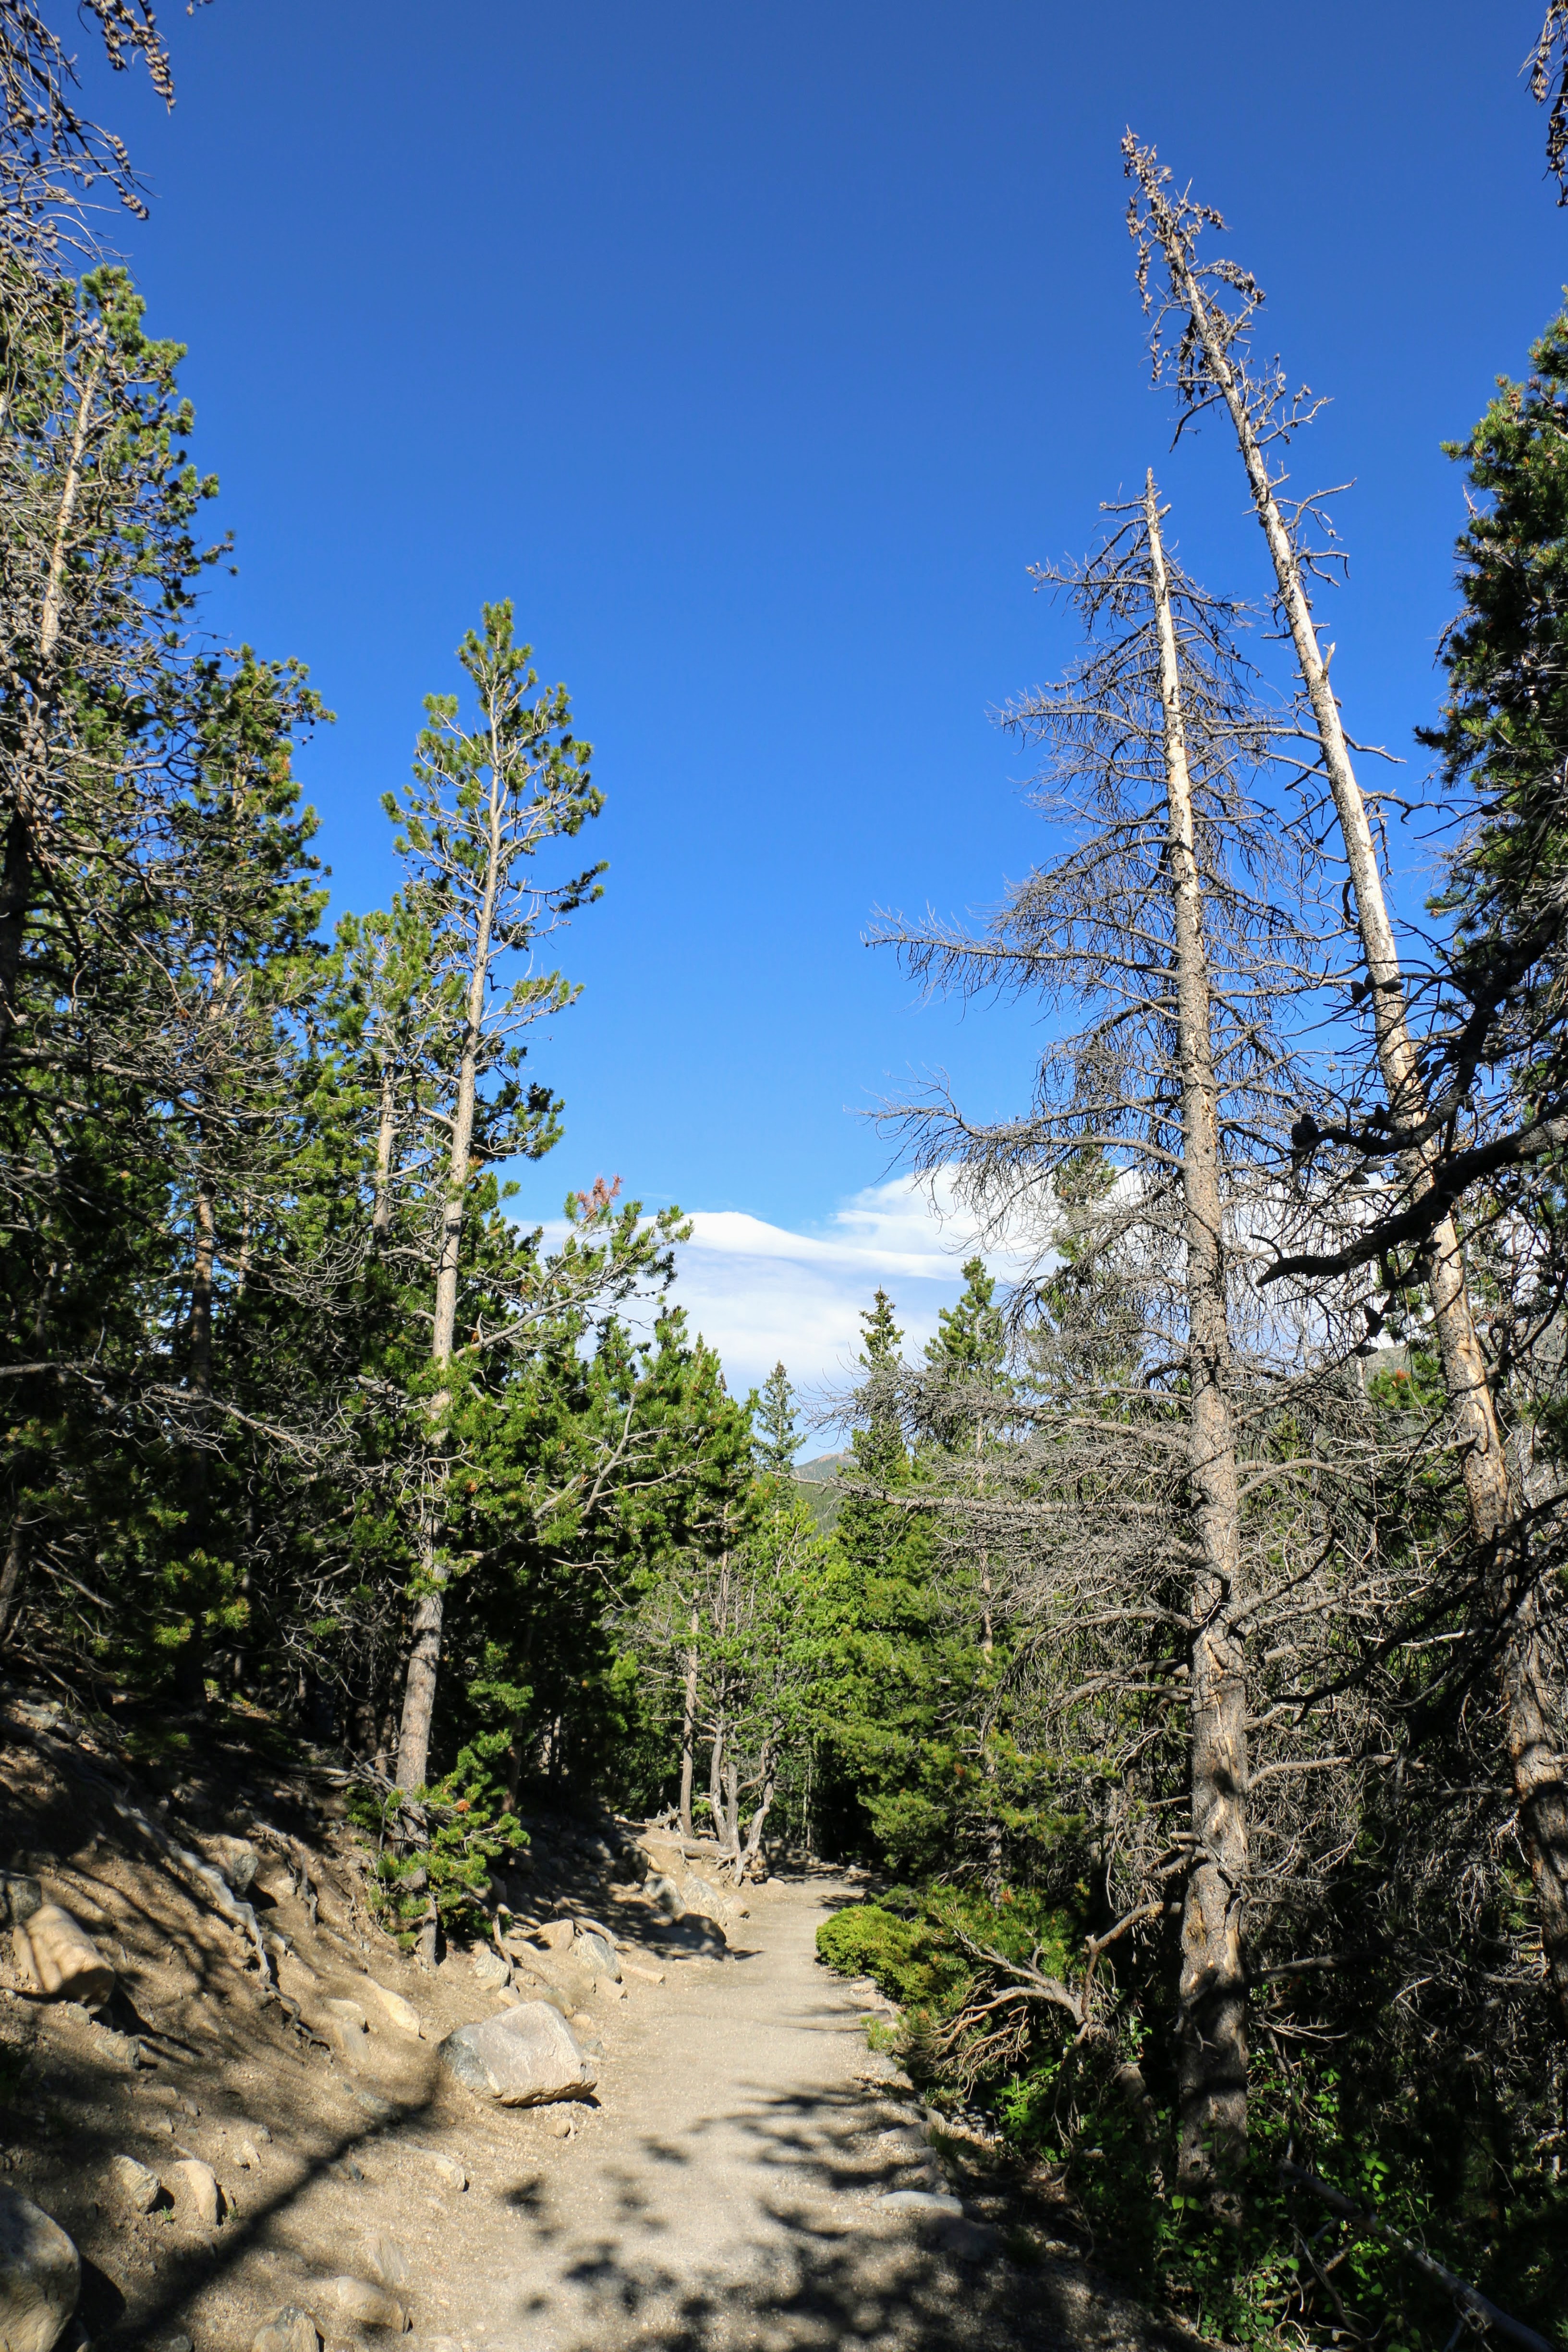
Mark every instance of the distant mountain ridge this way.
pixel 822 1469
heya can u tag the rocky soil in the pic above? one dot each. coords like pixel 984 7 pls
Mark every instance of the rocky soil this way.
pixel 290 2164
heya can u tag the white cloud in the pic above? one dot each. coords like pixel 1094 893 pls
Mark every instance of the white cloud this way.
pixel 762 1295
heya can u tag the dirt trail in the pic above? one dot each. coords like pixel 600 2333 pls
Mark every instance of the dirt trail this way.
pixel 724 2189
pixel 725 2193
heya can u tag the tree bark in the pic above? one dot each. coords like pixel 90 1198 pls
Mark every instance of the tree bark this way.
pixel 385 1138
pixel 31 798
pixel 689 1732
pixel 1211 2057
pixel 425 1655
pixel 1540 1790
pixel 12 1572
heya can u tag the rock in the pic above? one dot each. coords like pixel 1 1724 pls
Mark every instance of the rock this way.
pixel 392 2009
pixel 700 1894
pixel 62 1958
pixel 349 2013
pixel 491 1970
pixel 289 2330
pixel 667 1897
pixel 521 2058
pixel 445 2168
pixel 235 1857
pixel 379 2110
pixel 694 1933
pixel 20 1896
pixel 579 2021
pixel 40 2275
pixel 598 1952
pixel 926 2202
pixel 561 2127
pixel 361 2304
pixel 342 2023
pixel 133 2184
pixel 383 2258
pixel 556 1935
pixel 247 2157
pixel 334 1908
pixel 195 2185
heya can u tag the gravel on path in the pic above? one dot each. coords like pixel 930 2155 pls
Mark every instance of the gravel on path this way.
pixel 726 2193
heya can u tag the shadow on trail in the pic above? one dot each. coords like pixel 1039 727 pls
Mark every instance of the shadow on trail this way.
pixel 821 2265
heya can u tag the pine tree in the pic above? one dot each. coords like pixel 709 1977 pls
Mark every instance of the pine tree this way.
pixel 778 1431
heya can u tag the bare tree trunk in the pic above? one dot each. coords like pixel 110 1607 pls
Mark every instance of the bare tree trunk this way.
pixel 32 787
pixel 689 1732
pixel 729 1829
pixel 190 1658
pixel 753 1846
pixel 1538 1785
pixel 1212 1997
pixel 715 1778
pixel 429 1609
pixel 11 1573
pixel 385 1137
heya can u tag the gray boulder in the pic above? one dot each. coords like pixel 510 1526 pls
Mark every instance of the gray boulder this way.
pixel 593 1949
pixel 521 2059
pixel 491 1970
pixel 40 2275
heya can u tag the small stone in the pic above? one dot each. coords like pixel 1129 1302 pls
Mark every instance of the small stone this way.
pixel 235 1858
pixel 248 2156
pixel 384 2259
pixel 348 2014
pixel 561 2127
pixel 163 2125
pixel 490 1967
pixel 579 2021
pixel 445 2168
pixel 133 2184
pixel 289 2330
pixel 195 2185
pixel 392 2010
pixel 927 2202
pixel 363 2305
pixel 40 2275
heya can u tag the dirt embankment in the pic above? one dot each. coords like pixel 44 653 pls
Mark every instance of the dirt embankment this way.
pixel 725 2183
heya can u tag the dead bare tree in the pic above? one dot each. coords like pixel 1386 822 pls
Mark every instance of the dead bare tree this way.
pixel 1180 914
pixel 1203 312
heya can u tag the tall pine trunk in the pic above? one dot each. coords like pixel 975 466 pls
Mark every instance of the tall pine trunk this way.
pixel 689 1732
pixel 18 865
pixel 1212 1996
pixel 1540 1789
pixel 430 1608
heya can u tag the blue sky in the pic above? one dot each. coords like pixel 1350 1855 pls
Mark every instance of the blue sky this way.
pixel 756 351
